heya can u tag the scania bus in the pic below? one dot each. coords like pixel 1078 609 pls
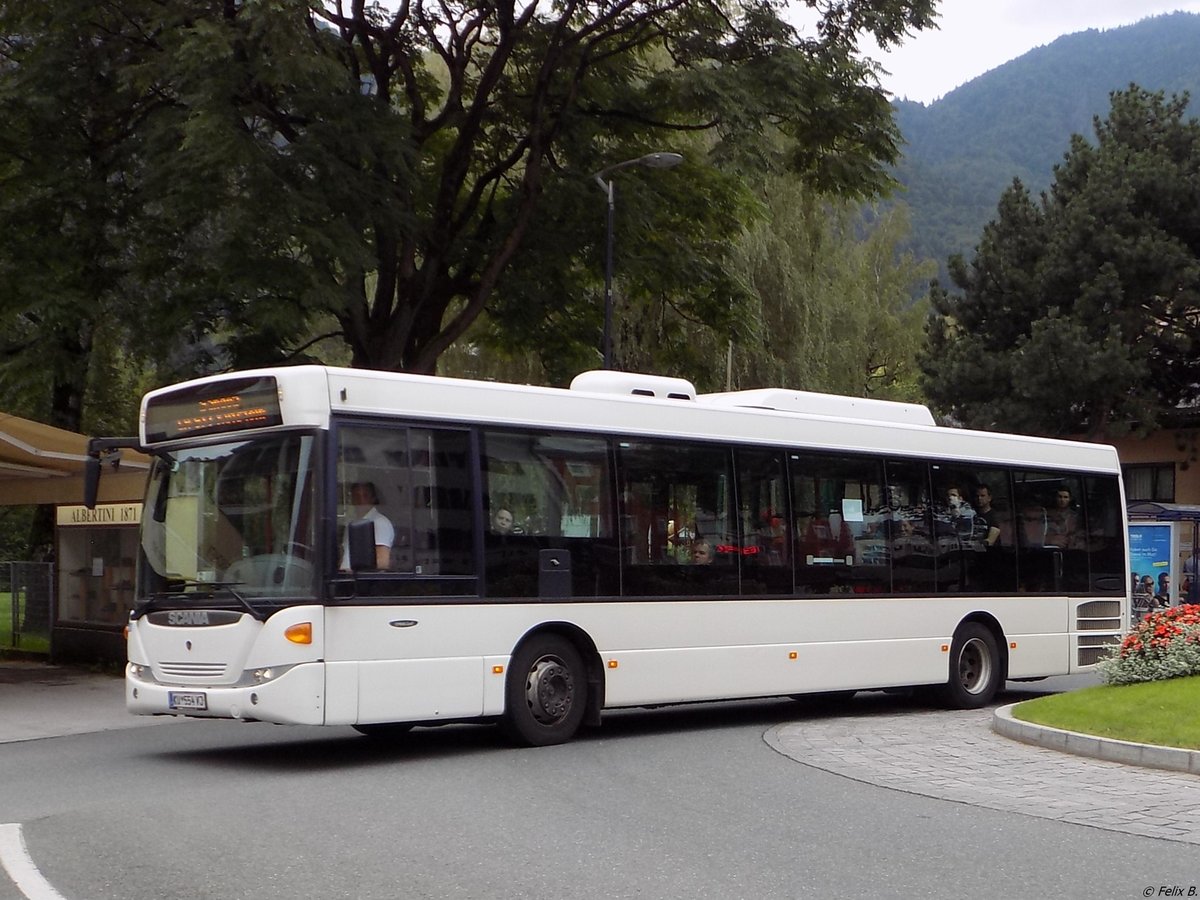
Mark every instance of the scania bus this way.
pixel 331 546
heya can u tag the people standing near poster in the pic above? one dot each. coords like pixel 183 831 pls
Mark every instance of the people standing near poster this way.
pixel 1162 595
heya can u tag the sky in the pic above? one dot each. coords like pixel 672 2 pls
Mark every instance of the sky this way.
pixel 975 36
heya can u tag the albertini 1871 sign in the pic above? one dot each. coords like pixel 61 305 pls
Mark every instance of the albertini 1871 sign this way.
pixel 103 514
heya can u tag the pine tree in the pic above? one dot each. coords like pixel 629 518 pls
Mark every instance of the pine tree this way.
pixel 1081 312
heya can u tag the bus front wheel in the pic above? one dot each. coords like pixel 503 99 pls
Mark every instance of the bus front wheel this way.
pixel 975 668
pixel 545 697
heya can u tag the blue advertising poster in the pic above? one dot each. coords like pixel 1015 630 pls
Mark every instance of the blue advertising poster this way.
pixel 1149 556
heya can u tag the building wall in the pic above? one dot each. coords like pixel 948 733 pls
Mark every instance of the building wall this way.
pixel 1178 448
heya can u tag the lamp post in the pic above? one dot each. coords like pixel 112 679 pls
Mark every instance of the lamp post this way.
pixel 650 161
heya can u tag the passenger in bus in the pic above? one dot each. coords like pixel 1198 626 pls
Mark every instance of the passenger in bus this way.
pixel 773 538
pixel 363 501
pixel 502 521
pixel 987 518
pixel 960 512
pixel 1062 522
pixel 702 553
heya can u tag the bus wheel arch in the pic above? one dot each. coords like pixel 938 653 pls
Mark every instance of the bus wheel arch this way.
pixel 978 664
pixel 552 687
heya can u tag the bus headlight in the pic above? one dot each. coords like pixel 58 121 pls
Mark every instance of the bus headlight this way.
pixel 261 675
pixel 138 671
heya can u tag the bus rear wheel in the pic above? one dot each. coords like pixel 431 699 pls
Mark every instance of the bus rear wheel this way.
pixel 975 668
pixel 545 697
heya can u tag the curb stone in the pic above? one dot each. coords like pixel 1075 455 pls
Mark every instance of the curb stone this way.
pixel 1150 756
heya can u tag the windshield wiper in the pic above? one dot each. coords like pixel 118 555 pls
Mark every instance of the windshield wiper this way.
pixel 228 586
pixel 208 591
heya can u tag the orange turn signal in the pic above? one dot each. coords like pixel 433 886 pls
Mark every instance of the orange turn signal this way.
pixel 300 633
pixel 612 663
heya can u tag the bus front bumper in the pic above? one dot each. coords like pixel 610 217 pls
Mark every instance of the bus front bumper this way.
pixel 296 697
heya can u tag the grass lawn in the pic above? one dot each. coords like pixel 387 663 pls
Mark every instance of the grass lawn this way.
pixel 30 642
pixel 1156 712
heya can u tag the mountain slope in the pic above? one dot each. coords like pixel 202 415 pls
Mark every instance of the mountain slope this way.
pixel 1016 121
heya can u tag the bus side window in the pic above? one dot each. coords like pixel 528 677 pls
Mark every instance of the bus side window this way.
pixel 548 494
pixel 422 486
pixel 1052 533
pixel 1105 541
pixel 442 502
pixel 370 484
pixel 838 501
pixel 678 530
pixel 763 515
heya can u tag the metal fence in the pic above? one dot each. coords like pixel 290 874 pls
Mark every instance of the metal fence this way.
pixel 26 589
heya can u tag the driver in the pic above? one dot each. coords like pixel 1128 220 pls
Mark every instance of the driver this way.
pixel 363 499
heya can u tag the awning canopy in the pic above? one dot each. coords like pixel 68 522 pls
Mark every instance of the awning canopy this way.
pixel 43 464
pixel 1164 512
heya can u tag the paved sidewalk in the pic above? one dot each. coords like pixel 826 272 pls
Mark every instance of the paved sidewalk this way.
pixel 955 755
pixel 39 701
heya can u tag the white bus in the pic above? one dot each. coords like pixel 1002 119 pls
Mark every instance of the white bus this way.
pixel 535 556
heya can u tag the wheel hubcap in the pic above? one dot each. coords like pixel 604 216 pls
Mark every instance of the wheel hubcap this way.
pixel 974 666
pixel 549 690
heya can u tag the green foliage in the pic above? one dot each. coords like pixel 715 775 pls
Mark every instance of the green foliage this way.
pixel 261 172
pixel 66 167
pixel 815 296
pixel 1079 312
pixel 16 523
pixel 1165 644
pixel 831 305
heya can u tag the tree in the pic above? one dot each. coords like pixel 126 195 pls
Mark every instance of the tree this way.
pixel 66 169
pixel 818 296
pixel 226 177
pixel 1081 312
pixel 450 139
pixel 833 308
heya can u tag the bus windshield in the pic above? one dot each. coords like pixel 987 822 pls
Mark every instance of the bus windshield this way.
pixel 234 516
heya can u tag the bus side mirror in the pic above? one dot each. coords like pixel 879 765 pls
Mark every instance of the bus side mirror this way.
pixel 91 481
pixel 360 538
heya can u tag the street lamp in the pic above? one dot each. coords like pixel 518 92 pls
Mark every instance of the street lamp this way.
pixel 650 161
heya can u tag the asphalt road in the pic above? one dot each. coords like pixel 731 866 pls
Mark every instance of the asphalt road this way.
pixel 683 802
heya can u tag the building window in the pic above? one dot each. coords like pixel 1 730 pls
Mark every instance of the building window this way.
pixel 1152 482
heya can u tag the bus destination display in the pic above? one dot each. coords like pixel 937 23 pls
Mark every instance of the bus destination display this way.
pixel 213 409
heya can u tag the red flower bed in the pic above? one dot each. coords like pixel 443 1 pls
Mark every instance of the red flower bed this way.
pixel 1166 644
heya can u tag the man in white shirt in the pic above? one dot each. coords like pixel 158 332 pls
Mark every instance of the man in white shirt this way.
pixel 363 499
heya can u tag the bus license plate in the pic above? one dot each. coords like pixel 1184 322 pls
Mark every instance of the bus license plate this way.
pixel 178 700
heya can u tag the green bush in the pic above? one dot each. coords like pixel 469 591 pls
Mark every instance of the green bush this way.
pixel 1165 644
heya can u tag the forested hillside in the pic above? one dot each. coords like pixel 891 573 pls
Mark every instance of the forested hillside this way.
pixel 1015 122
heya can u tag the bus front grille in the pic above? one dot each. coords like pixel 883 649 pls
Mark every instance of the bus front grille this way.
pixel 192 669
